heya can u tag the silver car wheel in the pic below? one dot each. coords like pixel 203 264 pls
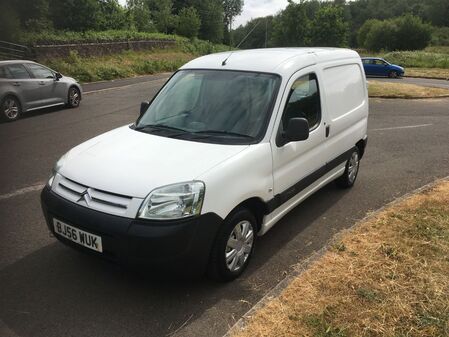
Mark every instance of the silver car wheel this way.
pixel 239 245
pixel 74 97
pixel 11 108
pixel 353 167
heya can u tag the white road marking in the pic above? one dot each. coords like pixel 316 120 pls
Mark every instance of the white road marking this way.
pixel 163 80
pixel 36 187
pixel 403 127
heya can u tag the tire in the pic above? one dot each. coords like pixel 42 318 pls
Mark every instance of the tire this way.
pixel 11 109
pixel 393 74
pixel 73 97
pixel 349 177
pixel 232 251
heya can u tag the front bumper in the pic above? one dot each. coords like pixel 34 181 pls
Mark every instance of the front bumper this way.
pixel 169 245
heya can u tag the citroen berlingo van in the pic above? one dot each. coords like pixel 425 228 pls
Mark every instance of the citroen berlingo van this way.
pixel 230 144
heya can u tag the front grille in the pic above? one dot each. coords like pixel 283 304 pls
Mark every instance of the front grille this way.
pixel 96 199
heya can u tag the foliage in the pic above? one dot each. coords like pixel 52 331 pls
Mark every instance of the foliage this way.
pixel 139 16
pixel 260 36
pixel 188 22
pixel 75 15
pixel 440 36
pixel 328 27
pixel 407 32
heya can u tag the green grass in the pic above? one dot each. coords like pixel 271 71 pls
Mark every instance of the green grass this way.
pixel 431 57
pixel 121 65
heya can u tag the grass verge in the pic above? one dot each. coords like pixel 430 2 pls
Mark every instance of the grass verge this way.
pixel 386 277
pixel 428 73
pixel 122 65
pixel 400 90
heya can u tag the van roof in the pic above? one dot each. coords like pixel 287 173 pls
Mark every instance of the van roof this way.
pixel 271 60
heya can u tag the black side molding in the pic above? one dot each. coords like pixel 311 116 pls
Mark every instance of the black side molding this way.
pixel 301 185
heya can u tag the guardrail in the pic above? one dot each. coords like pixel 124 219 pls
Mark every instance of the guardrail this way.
pixel 10 50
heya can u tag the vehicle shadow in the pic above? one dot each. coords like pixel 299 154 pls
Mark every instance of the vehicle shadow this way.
pixel 56 291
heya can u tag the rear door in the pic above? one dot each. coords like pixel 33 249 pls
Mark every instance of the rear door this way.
pixel 297 164
pixel 20 79
pixel 47 84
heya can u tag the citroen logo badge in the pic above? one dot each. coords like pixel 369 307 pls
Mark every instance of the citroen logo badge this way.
pixel 85 196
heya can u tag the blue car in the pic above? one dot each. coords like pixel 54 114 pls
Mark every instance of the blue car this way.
pixel 375 66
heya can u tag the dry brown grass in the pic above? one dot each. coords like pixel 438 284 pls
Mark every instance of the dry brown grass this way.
pixel 389 276
pixel 400 90
pixel 428 72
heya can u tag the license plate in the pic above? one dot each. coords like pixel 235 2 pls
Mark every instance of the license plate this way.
pixel 77 235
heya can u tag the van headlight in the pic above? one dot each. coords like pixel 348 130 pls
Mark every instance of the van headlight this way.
pixel 173 201
pixel 55 170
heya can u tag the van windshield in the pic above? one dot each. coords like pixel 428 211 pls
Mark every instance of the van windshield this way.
pixel 212 106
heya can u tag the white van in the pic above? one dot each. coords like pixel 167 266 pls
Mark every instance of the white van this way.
pixel 229 145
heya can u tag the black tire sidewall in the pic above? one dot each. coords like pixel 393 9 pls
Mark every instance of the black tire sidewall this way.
pixel 69 104
pixel 3 116
pixel 217 266
pixel 344 180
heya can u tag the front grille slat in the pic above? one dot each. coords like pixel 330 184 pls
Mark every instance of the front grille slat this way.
pixel 93 198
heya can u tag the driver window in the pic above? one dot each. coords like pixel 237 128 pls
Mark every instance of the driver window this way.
pixel 304 101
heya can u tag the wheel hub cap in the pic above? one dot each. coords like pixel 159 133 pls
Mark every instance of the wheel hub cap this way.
pixel 353 167
pixel 239 245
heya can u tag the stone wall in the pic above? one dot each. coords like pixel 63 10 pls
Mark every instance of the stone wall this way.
pixel 41 52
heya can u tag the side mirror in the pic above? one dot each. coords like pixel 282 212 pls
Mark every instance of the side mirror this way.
pixel 144 107
pixel 297 130
pixel 58 76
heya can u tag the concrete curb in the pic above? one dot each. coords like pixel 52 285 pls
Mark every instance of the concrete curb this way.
pixel 302 266
pixel 429 78
pixel 412 97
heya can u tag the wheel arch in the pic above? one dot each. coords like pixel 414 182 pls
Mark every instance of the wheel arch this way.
pixel 256 206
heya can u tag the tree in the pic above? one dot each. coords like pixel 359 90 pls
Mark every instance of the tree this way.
pixel 328 28
pixel 112 15
pixel 381 36
pixel 75 15
pixel 231 9
pixel 412 33
pixel 161 13
pixel 9 22
pixel 211 15
pixel 291 26
pixel 34 15
pixel 139 16
pixel 260 36
pixel 189 22
pixel 364 30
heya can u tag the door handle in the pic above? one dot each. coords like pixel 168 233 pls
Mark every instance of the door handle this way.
pixel 328 130
pixel 16 84
pixel 41 82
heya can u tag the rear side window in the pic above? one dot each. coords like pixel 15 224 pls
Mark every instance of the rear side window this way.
pixel 345 89
pixel 17 71
pixel 367 61
pixel 39 71
pixel 304 101
pixel 4 73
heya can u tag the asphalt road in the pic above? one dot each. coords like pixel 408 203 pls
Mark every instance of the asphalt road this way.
pixel 425 82
pixel 47 289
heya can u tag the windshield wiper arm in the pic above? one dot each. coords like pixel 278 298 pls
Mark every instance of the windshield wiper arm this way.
pixel 159 126
pixel 224 133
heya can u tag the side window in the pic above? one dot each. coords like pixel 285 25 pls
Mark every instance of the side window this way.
pixel 39 71
pixel 17 71
pixel 304 101
pixel 366 61
pixel 4 73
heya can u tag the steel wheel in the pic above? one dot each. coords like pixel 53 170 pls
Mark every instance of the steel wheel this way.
pixel 353 167
pixel 74 97
pixel 11 108
pixel 239 245
pixel 393 74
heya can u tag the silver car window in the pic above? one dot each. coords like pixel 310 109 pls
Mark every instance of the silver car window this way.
pixel 4 73
pixel 39 71
pixel 18 71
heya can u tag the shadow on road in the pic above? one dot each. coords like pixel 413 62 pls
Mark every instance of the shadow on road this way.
pixel 56 291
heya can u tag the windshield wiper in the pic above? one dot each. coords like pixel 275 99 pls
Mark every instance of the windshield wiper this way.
pixel 159 126
pixel 224 133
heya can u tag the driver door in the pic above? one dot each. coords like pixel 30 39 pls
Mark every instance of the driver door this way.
pixel 46 84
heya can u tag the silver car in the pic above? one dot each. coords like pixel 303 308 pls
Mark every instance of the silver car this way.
pixel 27 85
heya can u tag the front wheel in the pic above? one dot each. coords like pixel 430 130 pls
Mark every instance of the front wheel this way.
pixel 352 169
pixel 10 108
pixel 74 97
pixel 233 246
pixel 393 74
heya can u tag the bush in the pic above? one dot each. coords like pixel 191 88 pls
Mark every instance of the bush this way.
pixel 440 36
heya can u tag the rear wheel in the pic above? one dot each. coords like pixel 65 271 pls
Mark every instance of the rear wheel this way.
pixel 233 246
pixel 352 169
pixel 74 97
pixel 10 108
